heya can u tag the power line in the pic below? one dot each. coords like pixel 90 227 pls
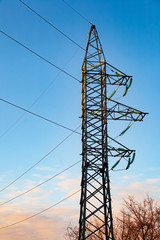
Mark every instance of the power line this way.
pixel 44 59
pixel 29 169
pixel 39 116
pixel 46 119
pixel 35 101
pixel 51 24
pixel 49 179
pixel 36 214
pixel 46 209
pixel 65 35
pixel 76 12
pixel 72 131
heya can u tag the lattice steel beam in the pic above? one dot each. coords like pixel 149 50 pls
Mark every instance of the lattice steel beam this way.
pixel 95 193
pixel 97 109
pixel 119 111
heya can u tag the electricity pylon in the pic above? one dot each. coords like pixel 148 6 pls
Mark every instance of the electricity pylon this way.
pixel 95 202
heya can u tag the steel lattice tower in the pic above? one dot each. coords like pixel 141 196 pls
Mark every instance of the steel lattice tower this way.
pixel 95 202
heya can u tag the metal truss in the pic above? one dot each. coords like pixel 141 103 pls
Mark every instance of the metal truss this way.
pixel 95 220
pixel 119 111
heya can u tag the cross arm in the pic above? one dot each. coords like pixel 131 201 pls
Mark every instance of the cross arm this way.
pixel 119 111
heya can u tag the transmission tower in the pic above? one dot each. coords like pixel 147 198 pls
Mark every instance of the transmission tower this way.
pixel 95 202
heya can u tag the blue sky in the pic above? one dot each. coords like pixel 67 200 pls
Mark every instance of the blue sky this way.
pixel 130 35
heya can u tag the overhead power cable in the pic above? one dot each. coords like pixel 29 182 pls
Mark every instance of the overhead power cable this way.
pixel 36 100
pixel 65 35
pixel 31 189
pixel 76 12
pixel 46 119
pixel 39 116
pixel 35 164
pixel 51 24
pixel 36 214
pixel 44 210
pixel 44 59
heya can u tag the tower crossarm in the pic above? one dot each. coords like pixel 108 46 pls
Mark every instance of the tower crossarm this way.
pixel 118 79
pixel 119 152
pixel 119 111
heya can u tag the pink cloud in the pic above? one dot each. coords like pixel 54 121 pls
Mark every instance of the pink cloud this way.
pixel 49 226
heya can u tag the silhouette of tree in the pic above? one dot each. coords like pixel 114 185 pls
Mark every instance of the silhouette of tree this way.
pixel 136 221
pixel 139 221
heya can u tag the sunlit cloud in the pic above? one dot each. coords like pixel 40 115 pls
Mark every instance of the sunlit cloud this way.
pixel 53 223
pixel 153 180
pixel 69 185
pixel 41 227
pixel 138 189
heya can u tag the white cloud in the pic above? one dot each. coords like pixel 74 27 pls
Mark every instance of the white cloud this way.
pixel 52 224
pixel 138 189
pixel 153 180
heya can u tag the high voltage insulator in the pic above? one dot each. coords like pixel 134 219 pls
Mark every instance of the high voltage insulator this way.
pixel 95 202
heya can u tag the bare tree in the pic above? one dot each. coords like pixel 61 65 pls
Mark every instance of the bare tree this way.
pixel 139 221
pixel 71 233
pixel 136 221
